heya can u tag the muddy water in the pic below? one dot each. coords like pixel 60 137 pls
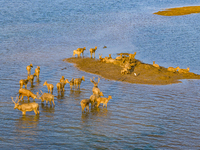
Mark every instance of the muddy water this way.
pixel 137 116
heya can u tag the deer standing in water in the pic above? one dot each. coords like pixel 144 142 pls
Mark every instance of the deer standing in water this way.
pixel 46 97
pixel 92 50
pixel 77 81
pixel 23 82
pixel 49 87
pixel 27 93
pixel 28 68
pixel 37 71
pixel 26 107
pixel 103 100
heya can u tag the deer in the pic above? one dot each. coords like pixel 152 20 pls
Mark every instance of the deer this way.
pixel 77 81
pixel 103 100
pixel 49 87
pixel 85 104
pixel 93 98
pixel 27 93
pixel 62 79
pixel 26 107
pixel 184 70
pixel 94 82
pixel 23 82
pixel 37 71
pixel 92 50
pixel 61 85
pixel 76 52
pixel 155 65
pixel 132 56
pixel 71 83
pixel 125 71
pixel 172 69
pixel 28 68
pixel 81 50
pixel 31 78
pixel 48 97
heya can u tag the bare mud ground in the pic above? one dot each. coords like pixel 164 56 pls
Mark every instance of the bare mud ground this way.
pixel 146 73
pixel 179 11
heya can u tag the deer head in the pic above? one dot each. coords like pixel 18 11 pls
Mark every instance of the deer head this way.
pixel 45 83
pixel 95 83
pixel 16 104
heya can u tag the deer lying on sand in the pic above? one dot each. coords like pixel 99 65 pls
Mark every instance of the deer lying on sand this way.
pixel 46 97
pixel 184 70
pixel 23 82
pixel 37 71
pixel 26 107
pixel 61 85
pixel 172 69
pixel 49 87
pixel 76 52
pixel 85 104
pixel 125 71
pixel 28 68
pixel 92 50
pixel 155 65
pixel 103 100
pixel 27 93
pixel 81 50
pixel 77 81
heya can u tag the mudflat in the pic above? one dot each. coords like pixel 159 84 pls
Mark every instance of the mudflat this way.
pixel 178 11
pixel 141 73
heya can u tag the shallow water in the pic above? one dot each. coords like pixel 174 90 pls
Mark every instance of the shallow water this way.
pixel 138 116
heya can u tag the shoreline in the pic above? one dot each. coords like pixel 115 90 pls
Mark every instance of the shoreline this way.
pixel 146 73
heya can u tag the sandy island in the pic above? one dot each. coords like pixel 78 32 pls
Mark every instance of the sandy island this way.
pixel 179 11
pixel 146 73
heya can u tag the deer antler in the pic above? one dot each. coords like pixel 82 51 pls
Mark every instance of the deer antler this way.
pixel 98 79
pixel 13 100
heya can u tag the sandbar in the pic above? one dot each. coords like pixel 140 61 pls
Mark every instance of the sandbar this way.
pixel 178 11
pixel 146 73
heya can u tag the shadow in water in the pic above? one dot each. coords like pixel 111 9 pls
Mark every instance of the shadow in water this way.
pixel 47 108
pixel 27 121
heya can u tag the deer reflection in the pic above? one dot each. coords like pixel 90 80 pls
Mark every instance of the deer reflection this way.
pixel 47 108
pixel 75 93
pixel 28 121
pixel 60 95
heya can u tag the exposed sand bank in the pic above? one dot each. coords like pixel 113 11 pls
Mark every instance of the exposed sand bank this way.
pixel 146 73
pixel 179 11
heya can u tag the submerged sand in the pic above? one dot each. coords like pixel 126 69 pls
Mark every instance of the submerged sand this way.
pixel 179 11
pixel 146 73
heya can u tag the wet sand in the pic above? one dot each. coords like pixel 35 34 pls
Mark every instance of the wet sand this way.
pixel 179 11
pixel 146 73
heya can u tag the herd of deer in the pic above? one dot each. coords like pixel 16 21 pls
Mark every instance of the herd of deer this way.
pixel 95 100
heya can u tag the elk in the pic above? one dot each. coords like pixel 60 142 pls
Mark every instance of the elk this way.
pixel 27 93
pixel 184 70
pixel 71 83
pixel 26 107
pixel 28 68
pixel 76 52
pixel 172 69
pixel 103 100
pixel 23 82
pixel 46 97
pixel 155 65
pixel 92 50
pixel 85 104
pixel 77 81
pixel 81 50
pixel 49 87
pixel 61 85
pixel 37 71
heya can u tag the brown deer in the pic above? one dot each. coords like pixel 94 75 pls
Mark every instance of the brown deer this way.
pixel 31 78
pixel 81 50
pixel 49 87
pixel 61 85
pixel 37 71
pixel 71 83
pixel 103 100
pixel 172 69
pixel 27 93
pixel 23 82
pixel 92 50
pixel 93 98
pixel 184 70
pixel 85 104
pixel 28 68
pixel 76 52
pixel 77 81
pixel 155 65
pixel 26 107
pixel 46 97
pixel 132 56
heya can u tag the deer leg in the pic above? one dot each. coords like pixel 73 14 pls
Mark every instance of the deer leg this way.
pixel 53 102
pixel 23 112
pixel 91 54
pixel 35 111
